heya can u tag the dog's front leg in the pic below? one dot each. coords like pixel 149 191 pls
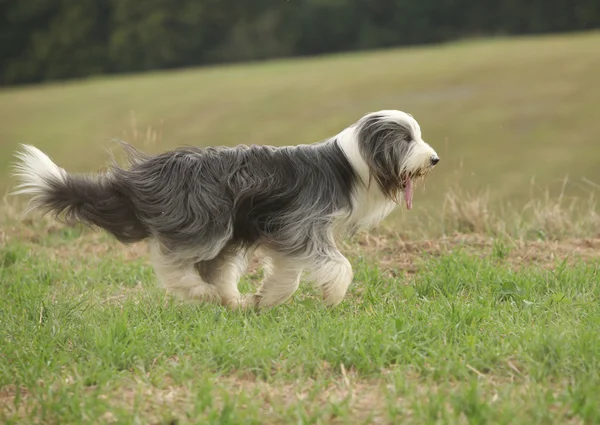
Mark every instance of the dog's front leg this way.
pixel 332 274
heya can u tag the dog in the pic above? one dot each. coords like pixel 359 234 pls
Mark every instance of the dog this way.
pixel 206 210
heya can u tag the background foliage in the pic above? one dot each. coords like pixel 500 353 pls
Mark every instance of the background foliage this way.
pixel 44 40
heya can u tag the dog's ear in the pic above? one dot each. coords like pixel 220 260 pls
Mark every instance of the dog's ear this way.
pixel 384 144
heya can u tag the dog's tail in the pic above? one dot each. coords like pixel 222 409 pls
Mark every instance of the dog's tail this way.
pixel 91 200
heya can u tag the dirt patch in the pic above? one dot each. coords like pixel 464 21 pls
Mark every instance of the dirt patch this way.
pixel 362 400
pixel 394 254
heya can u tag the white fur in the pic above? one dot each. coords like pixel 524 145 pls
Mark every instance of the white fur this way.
pixel 420 154
pixel 35 170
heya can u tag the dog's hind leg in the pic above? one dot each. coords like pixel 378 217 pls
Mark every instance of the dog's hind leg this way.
pixel 282 278
pixel 224 272
pixel 181 278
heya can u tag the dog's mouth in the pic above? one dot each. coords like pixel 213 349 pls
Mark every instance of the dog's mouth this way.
pixel 407 189
pixel 408 183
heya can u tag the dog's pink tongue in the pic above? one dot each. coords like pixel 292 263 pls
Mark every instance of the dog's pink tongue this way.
pixel 408 194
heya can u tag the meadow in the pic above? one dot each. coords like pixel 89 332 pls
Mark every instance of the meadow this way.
pixel 478 306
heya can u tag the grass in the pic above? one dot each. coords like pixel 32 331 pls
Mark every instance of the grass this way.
pixel 476 332
pixel 479 306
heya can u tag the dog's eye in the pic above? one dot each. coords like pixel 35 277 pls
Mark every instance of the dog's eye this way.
pixel 406 136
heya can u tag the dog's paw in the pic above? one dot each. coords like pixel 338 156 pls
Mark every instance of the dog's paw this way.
pixel 250 302
pixel 234 303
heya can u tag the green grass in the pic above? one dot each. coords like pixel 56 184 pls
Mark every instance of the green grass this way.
pixel 500 112
pixel 467 339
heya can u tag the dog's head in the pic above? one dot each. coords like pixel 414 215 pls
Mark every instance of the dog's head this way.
pixel 390 143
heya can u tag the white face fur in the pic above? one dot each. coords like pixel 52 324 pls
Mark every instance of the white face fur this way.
pixel 422 157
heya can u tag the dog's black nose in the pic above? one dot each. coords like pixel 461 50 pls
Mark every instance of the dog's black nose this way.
pixel 435 159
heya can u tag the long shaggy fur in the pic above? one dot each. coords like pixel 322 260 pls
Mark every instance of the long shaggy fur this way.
pixel 206 210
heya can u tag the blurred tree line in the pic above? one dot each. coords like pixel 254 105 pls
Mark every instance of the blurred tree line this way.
pixel 57 39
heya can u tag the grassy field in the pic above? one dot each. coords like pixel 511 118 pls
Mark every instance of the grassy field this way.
pixel 464 330
pixel 479 306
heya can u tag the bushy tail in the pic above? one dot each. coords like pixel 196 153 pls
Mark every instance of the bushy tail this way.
pixel 92 200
